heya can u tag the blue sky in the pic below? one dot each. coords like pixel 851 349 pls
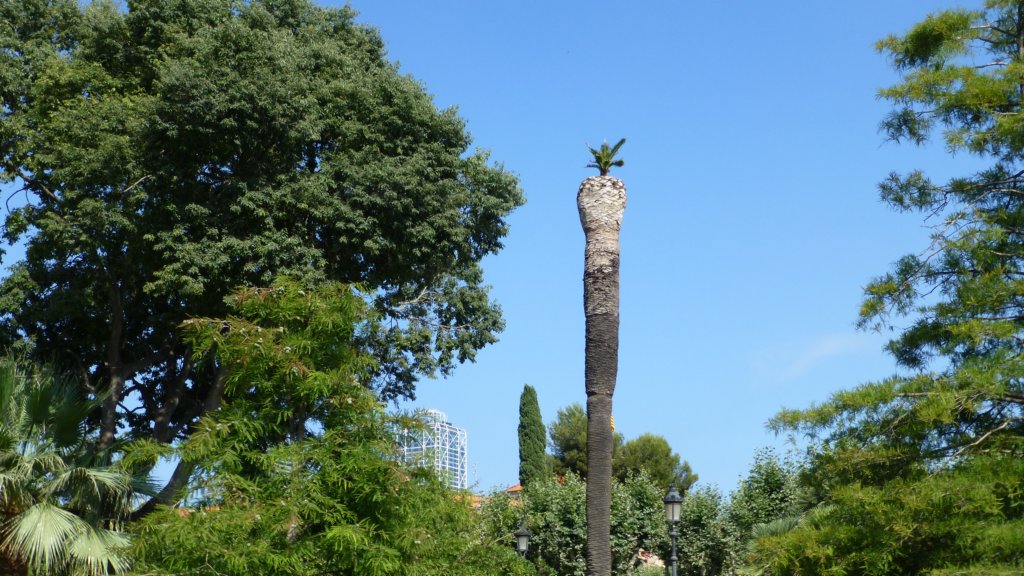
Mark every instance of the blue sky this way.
pixel 753 219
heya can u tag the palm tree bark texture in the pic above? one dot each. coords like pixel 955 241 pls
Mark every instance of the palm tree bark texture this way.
pixel 601 201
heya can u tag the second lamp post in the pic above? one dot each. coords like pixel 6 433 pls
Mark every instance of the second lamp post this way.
pixel 673 508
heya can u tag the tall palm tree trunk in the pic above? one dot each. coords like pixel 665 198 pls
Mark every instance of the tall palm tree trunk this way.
pixel 601 201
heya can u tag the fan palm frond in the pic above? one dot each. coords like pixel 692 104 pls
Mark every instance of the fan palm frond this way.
pixel 13 493
pixel 89 552
pixel 39 535
pixel 776 527
pixel 59 511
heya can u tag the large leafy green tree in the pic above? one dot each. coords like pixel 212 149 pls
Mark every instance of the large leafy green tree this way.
pixel 648 453
pixel 930 459
pixel 768 492
pixel 533 461
pixel 568 434
pixel 299 468
pixel 653 455
pixel 708 540
pixel 172 150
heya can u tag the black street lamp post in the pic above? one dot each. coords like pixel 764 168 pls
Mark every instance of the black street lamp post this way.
pixel 673 507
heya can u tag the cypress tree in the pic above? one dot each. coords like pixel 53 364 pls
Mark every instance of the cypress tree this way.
pixel 532 438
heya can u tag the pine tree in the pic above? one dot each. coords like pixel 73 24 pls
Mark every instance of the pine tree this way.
pixel 964 294
pixel 533 463
pixel 921 473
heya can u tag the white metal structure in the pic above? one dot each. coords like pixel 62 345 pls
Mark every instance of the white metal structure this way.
pixel 439 445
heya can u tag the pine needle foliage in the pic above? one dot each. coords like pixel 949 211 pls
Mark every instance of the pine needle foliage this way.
pixel 962 76
pixel 920 473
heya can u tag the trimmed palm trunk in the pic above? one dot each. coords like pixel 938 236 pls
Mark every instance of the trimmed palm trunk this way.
pixel 601 201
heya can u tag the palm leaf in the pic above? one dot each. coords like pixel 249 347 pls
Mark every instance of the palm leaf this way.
pixel 63 511
pixel 604 158
pixel 39 536
pixel 39 461
pixel 819 514
pixel 38 402
pixel 68 410
pixel 13 493
pixel 615 149
pixel 776 527
pixel 95 552
pixel 89 487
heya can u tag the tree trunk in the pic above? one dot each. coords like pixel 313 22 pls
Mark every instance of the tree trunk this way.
pixel 10 566
pixel 112 400
pixel 601 201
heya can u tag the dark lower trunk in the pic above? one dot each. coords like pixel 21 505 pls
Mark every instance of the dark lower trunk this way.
pixel 602 355
pixel 112 400
pixel 599 485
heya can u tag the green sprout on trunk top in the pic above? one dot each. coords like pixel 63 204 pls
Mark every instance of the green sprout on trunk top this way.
pixel 604 158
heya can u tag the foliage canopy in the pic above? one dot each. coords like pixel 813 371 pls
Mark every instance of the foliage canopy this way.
pixel 568 435
pixel 174 150
pixel 652 454
pixel 298 471
pixel 647 453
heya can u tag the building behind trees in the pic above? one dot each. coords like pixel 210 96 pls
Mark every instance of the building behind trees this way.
pixel 439 445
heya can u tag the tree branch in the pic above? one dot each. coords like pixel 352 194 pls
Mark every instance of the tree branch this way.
pixel 132 368
pixel 161 422
pixel 136 183
pixel 171 492
pixel 35 183
pixel 1002 426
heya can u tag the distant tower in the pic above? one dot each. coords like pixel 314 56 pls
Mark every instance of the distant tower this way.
pixel 441 446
